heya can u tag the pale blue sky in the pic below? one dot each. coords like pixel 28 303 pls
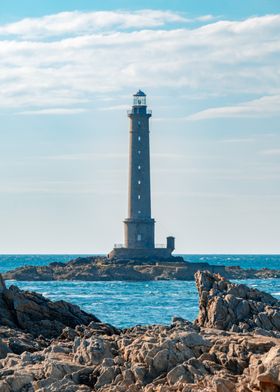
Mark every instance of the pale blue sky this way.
pixel 212 75
pixel 12 10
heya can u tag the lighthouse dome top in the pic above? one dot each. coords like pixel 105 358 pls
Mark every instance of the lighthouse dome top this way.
pixel 139 99
pixel 140 93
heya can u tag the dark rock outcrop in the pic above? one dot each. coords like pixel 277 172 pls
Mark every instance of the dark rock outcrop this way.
pixel 236 307
pixel 16 341
pixel 34 313
pixel 102 269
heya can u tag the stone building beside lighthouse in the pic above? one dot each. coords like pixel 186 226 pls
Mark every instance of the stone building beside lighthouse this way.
pixel 139 226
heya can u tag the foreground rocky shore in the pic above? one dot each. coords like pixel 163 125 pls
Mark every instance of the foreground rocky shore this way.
pixel 102 269
pixel 233 346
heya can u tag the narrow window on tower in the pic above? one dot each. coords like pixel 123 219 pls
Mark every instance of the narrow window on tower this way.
pixel 139 152
pixel 139 237
pixel 139 167
pixel 139 123
pixel 139 138
pixel 139 182
pixel 139 212
pixel 139 197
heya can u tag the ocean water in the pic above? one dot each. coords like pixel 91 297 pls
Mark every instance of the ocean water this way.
pixel 125 304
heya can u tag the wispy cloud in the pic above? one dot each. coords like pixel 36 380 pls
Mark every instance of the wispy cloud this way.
pixel 52 111
pixel 59 188
pixel 77 22
pixel 67 59
pixel 93 185
pixel 85 156
pixel 262 107
pixel 238 140
pixel 272 151
pixel 109 155
pixel 114 107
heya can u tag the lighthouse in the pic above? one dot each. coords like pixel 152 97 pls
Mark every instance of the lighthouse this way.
pixel 139 226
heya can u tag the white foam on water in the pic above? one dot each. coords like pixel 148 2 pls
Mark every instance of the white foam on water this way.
pixel 80 295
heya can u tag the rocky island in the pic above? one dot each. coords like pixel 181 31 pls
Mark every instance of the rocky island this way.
pixel 233 345
pixel 103 269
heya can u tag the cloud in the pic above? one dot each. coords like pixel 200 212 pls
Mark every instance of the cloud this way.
pixel 54 111
pixel 238 140
pixel 111 155
pixel 114 107
pixel 70 59
pixel 86 157
pixel 262 107
pixel 272 151
pixel 205 18
pixel 88 22
pixel 58 188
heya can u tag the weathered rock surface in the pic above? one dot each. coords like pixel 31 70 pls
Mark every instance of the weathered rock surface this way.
pixel 236 307
pixel 35 314
pixel 178 358
pixel 181 357
pixel 102 269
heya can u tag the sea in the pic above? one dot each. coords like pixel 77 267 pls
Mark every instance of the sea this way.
pixel 126 304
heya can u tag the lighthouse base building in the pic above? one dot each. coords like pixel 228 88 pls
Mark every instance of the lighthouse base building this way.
pixel 139 227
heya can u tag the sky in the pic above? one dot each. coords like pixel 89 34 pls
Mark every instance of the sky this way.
pixel 211 72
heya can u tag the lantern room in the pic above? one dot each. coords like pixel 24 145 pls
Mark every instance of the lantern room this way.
pixel 139 99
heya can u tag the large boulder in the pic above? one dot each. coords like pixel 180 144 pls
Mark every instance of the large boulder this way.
pixel 35 314
pixel 236 307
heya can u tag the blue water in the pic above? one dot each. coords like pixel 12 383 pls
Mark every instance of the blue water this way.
pixel 129 303
pixel 244 261
pixel 9 262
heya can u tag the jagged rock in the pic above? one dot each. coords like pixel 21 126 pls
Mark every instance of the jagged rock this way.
pixel 92 351
pixel 106 377
pixel 263 373
pixel 19 381
pixel 34 313
pixel 161 360
pixel 4 350
pixel 229 306
pixel 179 374
pixel 64 385
pixel 268 372
pixel 193 339
pixel 181 357
pixel 18 341
pixel 141 359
